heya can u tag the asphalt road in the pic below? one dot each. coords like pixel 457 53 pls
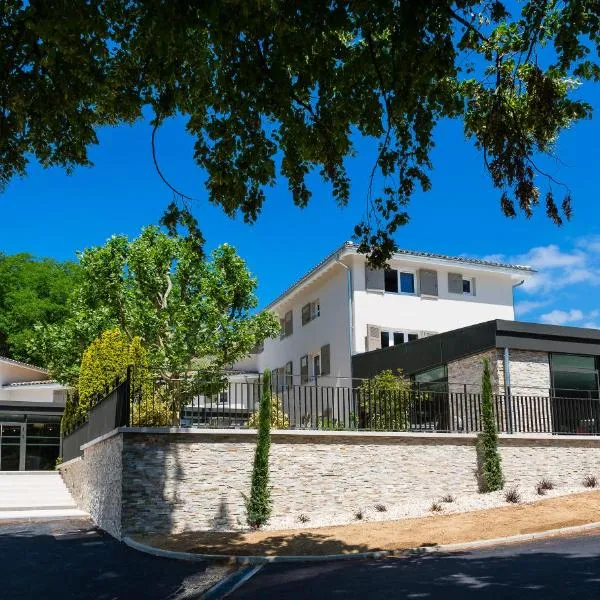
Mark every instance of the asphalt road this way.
pixel 71 560
pixel 548 570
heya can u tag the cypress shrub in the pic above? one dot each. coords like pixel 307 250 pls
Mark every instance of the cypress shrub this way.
pixel 490 467
pixel 258 505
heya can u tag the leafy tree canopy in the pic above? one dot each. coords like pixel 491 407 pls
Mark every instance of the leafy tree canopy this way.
pixel 282 86
pixel 31 291
pixel 158 288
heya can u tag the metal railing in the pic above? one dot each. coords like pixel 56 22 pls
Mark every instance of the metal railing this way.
pixel 199 402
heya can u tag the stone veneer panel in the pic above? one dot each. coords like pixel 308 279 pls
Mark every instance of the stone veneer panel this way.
pixel 95 481
pixel 529 373
pixel 173 482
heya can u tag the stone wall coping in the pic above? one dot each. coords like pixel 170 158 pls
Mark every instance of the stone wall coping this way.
pixel 280 434
pixel 66 463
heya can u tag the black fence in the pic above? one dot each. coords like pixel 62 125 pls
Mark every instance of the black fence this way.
pixel 106 412
pixel 197 402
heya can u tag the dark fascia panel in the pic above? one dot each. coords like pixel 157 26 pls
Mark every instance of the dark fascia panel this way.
pixel 449 346
pixel 426 353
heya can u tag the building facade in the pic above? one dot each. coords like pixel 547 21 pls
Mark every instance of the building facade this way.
pixel 31 406
pixel 342 308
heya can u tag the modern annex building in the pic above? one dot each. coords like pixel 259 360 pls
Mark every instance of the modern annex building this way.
pixel 31 406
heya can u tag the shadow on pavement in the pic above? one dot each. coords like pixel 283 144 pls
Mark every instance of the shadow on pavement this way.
pixel 553 570
pixel 63 561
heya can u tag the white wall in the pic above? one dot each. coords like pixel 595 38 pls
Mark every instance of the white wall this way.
pixel 493 300
pixel 331 328
pixel 39 394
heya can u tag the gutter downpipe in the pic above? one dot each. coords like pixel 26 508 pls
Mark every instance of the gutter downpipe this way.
pixel 350 290
pixel 506 366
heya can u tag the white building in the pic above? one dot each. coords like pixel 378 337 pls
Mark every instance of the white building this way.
pixel 341 308
pixel 31 406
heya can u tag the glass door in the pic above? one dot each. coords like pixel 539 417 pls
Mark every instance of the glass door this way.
pixel 12 446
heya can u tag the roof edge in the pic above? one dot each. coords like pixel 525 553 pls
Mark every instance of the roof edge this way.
pixel 18 363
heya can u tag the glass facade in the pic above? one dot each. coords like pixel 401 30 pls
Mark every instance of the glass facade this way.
pixel 29 442
pixel 574 376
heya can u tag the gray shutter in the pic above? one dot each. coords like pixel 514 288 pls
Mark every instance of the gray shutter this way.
pixel 325 360
pixel 373 337
pixel 375 279
pixel 428 282
pixel 455 283
pixel 305 314
pixel 282 328
pixel 289 323
pixel 473 286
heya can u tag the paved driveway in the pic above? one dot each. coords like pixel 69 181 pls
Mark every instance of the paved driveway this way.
pixel 565 568
pixel 70 560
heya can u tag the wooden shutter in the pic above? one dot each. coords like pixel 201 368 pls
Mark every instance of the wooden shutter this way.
pixel 304 369
pixel 375 279
pixel 305 314
pixel 473 286
pixel 373 337
pixel 325 360
pixel 289 323
pixel 455 283
pixel 289 376
pixel 428 282
pixel 281 328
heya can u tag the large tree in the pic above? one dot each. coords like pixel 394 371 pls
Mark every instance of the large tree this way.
pixel 280 85
pixel 32 291
pixel 184 307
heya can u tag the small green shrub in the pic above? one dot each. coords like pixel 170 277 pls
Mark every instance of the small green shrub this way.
pixel 491 468
pixel 303 518
pixel 381 508
pixel 258 504
pixel 435 507
pixel 590 481
pixel 448 498
pixel 59 461
pixel 359 515
pixel 279 420
pixel 543 486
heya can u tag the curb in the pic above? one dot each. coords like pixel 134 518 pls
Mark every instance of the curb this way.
pixel 263 560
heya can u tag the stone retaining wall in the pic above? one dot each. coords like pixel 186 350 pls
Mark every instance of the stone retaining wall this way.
pixel 191 480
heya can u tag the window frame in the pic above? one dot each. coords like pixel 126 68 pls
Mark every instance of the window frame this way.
pixel 390 332
pixel 414 277
pixel 470 280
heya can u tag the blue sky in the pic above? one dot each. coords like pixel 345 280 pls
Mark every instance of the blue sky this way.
pixel 51 214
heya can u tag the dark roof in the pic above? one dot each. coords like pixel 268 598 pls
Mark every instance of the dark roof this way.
pixel 352 246
pixel 449 346
pixel 18 363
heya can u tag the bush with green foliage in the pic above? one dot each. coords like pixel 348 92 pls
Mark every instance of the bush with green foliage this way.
pixel 490 467
pixel 385 399
pixel 278 418
pixel 258 504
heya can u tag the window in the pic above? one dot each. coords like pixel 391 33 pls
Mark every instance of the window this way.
pixel 457 284
pixel 316 365
pixel 432 380
pixel 310 312
pixel 289 375
pixel 574 376
pixel 304 369
pixel 391 281
pixel 287 325
pixel 393 338
pixel 385 339
pixel 407 283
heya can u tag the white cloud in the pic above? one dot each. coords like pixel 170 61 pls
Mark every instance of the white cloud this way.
pixel 527 306
pixel 551 257
pixel 561 317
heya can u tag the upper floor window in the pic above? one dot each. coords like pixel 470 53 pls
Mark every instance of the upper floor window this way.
pixel 399 281
pixel 393 338
pixel 457 284
pixel 311 311
pixel 287 325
